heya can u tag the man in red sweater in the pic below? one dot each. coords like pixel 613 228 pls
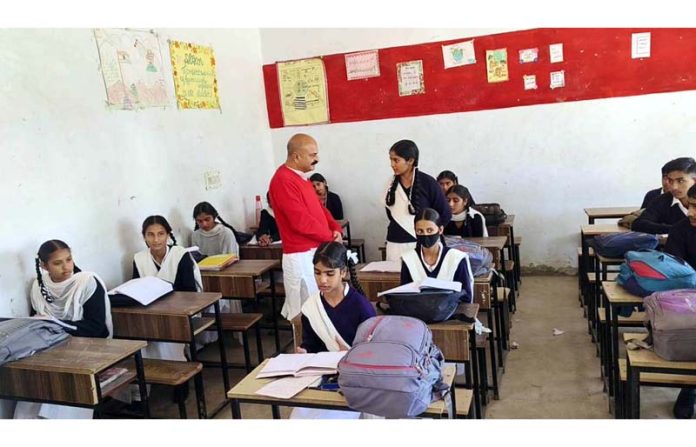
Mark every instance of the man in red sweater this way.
pixel 303 222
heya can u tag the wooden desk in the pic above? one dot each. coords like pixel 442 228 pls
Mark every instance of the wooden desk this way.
pixel 615 296
pixel 238 281
pixel 494 244
pixel 375 282
pixel 245 390
pixel 644 361
pixel 613 212
pixel 67 373
pixel 272 251
pixel 173 319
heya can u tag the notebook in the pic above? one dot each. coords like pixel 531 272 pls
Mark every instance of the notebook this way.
pixel 141 290
pixel 301 365
pixel 426 284
pixel 217 262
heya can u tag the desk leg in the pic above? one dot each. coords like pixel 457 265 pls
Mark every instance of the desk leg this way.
pixel 632 409
pixel 140 371
pixel 582 270
pixel 453 399
pixel 613 352
pixel 236 410
pixel 495 307
pixel 221 347
pixel 275 411
pixel 475 373
pixel 494 361
pixel 276 331
pixel 198 379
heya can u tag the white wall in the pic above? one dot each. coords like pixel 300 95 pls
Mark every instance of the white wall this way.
pixel 73 170
pixel 543 163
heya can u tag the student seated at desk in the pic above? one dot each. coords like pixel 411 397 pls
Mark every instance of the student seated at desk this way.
pixel 330 200
pixel 448 179
pixel 682 244
pixel 61 290
pixel 170 263
pixel 433 259
pixel 466 221
pixel 211 237
pixel 268 228
pixel 655 193
pixel 330 317
pixel 668 209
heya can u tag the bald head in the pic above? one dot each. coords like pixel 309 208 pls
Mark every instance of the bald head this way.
pixel 303 153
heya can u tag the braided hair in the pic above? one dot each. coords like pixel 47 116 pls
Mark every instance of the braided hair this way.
pixel 207 208
pixel 335 255
pixel 407 150
pixel 430 215
pixel 159 220
pixel 45 251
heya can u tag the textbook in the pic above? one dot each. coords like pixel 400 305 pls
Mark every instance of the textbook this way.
pixel 302 365
pixel 142 290
pixel 382 266
pixel 110 375
pixel 217 262
pixel 426 284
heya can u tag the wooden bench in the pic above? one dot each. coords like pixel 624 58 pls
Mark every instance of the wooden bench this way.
pixel 242 322
pixel 463 397
pixel 170 373
pixel 635 320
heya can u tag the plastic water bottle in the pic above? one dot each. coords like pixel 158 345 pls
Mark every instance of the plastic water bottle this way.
pixel 258 210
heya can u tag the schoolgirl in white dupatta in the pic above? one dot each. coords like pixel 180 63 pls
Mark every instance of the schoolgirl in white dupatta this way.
pixel 77 298
pixel 410 191
pixel 466 221
pixel 330 317
pixel 170 263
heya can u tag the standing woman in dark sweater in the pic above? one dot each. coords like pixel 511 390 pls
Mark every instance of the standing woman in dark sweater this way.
pixel 75 297
pixel 409 192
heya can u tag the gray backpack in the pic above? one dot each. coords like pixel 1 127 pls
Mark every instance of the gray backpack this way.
pixel 671 317
pixel 22 337
pixel 393 369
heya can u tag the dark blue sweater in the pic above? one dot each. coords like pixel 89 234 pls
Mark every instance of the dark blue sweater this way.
pixel 659 216
pixel 427 194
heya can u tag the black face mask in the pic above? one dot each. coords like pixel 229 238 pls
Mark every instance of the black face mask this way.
pixel 429 240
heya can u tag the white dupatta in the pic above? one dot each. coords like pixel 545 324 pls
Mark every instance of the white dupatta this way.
pixel 399 210
pixel 146 265
pixel 69 297
pixel 322 325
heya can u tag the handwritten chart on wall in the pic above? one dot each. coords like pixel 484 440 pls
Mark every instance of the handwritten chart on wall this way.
pixel 194 73
pixel 303 92
pixel 590 63
pixel 131 65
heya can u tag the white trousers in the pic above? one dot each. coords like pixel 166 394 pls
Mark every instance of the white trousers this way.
pixel 395 249
pixel 298 278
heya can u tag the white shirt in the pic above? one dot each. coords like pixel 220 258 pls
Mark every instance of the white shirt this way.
pixel 681 206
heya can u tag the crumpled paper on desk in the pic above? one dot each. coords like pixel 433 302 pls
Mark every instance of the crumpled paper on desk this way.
pixel 558 332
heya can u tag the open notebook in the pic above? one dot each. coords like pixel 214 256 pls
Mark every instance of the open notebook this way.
pixel 144 290
pixel 300 365
pixel 426 284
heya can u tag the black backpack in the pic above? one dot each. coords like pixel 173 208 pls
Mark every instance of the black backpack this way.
pixel 429 305
pixel 492 212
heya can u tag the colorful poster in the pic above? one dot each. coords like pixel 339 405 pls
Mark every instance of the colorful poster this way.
pixel 303 94
pixel 529 55
pixel 459 54
pixel 530 82
pixel 557 79
pixel 362 65
pixel 640 45
pixel 496 65
pixel 195 79
pixel 556 53
pixel 410 76
pixel 131 65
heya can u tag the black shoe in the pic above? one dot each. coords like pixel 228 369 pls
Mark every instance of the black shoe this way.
pixel 684 406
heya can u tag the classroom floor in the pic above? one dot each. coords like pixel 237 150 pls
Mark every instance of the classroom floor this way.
pixel 547 377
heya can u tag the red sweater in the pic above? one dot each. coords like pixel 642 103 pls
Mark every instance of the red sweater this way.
pixel 302 220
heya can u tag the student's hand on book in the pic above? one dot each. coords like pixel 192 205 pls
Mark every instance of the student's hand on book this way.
pixel 342 346
pixel 300 350
pixel 265 240
pixel 337 236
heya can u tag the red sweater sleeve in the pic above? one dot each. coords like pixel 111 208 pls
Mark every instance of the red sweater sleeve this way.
pixel 332 222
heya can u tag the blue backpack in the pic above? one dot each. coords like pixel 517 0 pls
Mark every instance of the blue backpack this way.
pixel 480 258
pixel 617 244
pixel 647 271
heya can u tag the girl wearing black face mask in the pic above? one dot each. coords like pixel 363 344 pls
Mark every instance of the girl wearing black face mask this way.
pixel 431 258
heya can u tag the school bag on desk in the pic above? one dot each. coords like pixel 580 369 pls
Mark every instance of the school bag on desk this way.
pixel 394 369
pixel 492 212
pixel 616 245
pixel 480 258
pixel 23 337
pixel 647 271
pixel 671 318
